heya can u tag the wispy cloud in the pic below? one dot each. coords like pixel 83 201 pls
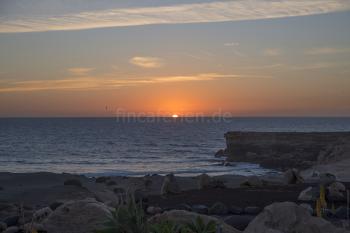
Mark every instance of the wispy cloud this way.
pixel 147 62
pixel 316 66
pixel 217 11
pixel 272 52
pixel 230 44
pixel 105 82
pixel 326 51
pixel 80 71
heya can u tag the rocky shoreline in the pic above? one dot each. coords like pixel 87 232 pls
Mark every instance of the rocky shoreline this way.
pixel 57 203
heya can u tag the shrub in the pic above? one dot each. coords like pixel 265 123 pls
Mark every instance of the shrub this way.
pixel 165 227
pixel 127 218
pixel 198 226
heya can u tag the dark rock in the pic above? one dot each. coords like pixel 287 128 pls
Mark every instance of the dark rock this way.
pixel 217 184
pixel 55 205
pixel 327 179
pixel 235 210
pixel 154 210
pixel 11 221
pixel 3 226
pixel 12 229
pixel 292 176
pixel 200 209
pixel 341 212
pixel 170 185
pixel 336 192
pixel 203 181
pixel 102 179
pixel 111 183
pixel 218 209
pixel 148 182
pixel 252 181
pixel 119 191
pixel 184 207
pixel 220 153
pixel 73 182
pixel 252 210
pixel 239 222
pixel 41 214
pixel 140 196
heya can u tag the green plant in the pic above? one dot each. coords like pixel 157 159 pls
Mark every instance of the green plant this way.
pixel 198 226
pixel 127 218
pixel 165 227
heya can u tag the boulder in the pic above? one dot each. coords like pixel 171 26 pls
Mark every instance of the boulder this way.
pixel 154 210
pixel 292 176
pixel 170 185
pixel 74 182
pixel 342 212
pixel 41 214
pixel 239 222
pixel 83 216
pixel 309 194
pixel 288 217
pixel 102 179
pixel 203 181
pixel 106 196
pixel 327 179
pixel 183 217
pixel 218 208
pixel 308 207
pixel 55 205
pixel 252 181
pixel 336 191
pixel 201 209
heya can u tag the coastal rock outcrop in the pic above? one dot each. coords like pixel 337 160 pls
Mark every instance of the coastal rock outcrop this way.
pixel 287 149
pixel 183 217
pixel 288 217
pixel 83 216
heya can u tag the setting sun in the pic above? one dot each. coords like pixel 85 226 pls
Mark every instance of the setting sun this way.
pixel 174 116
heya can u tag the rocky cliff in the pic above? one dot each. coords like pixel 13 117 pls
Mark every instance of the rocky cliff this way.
pixel 287 149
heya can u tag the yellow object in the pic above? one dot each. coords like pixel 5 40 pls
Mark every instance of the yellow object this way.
pixel 323 197
pixel 318 208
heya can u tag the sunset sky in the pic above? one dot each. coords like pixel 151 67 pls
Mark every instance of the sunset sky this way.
pixel 164 57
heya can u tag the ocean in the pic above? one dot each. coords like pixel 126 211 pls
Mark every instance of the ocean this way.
pixel 137 146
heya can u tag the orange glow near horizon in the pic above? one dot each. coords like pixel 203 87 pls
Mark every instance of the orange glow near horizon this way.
pixel 174 116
